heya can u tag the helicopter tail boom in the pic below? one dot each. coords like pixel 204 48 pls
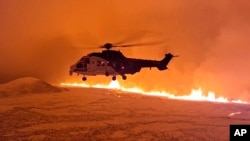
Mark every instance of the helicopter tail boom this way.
pixel 164 62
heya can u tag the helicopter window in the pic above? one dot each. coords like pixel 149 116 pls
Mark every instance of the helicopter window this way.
pixel 85 65
pixel 99 63
pixel 79 65
pixel 87 60
pixel 82 59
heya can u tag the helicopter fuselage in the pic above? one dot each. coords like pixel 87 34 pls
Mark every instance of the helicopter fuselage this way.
pixel 92 66
pixel 114 63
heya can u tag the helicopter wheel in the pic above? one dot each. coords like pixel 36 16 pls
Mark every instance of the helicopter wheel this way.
pixel 84 78
pixel 114 78
pixel 124 77
pixel 106 73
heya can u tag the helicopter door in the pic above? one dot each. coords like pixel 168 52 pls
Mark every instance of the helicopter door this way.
pixel 86 63
pixel 100 66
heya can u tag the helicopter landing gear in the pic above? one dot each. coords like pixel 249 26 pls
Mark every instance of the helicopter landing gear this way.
pixel 84 78
pixel 106 73
pixel 114 78
pixel 124 77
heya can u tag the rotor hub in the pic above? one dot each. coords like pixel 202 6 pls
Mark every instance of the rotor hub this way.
pixel 108 46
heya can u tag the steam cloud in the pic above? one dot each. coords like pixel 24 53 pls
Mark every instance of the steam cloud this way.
pixel 41 39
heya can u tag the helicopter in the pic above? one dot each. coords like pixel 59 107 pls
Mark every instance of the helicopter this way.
pixel 112 63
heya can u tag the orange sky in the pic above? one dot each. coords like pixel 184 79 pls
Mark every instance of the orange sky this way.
pixel 38 37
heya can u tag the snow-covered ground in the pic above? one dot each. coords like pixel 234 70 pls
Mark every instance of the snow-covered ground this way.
pixel 101 114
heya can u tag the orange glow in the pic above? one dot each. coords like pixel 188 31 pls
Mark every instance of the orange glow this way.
pixel 195 95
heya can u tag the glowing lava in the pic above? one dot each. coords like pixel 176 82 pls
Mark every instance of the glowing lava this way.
pixel 195 95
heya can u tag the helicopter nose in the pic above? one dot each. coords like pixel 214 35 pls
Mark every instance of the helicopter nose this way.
pixel 71 69
pixel 70 72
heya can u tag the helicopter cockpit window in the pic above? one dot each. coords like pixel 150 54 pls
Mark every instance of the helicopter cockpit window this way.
pixel 82 59
pixel 87 60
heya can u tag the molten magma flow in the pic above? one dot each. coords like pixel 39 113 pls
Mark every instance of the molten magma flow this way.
pixel 195 95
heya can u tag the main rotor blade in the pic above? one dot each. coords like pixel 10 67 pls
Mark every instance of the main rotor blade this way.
pixel 88 47
pixel 110 45
pixel 139 44
pixel 133 37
